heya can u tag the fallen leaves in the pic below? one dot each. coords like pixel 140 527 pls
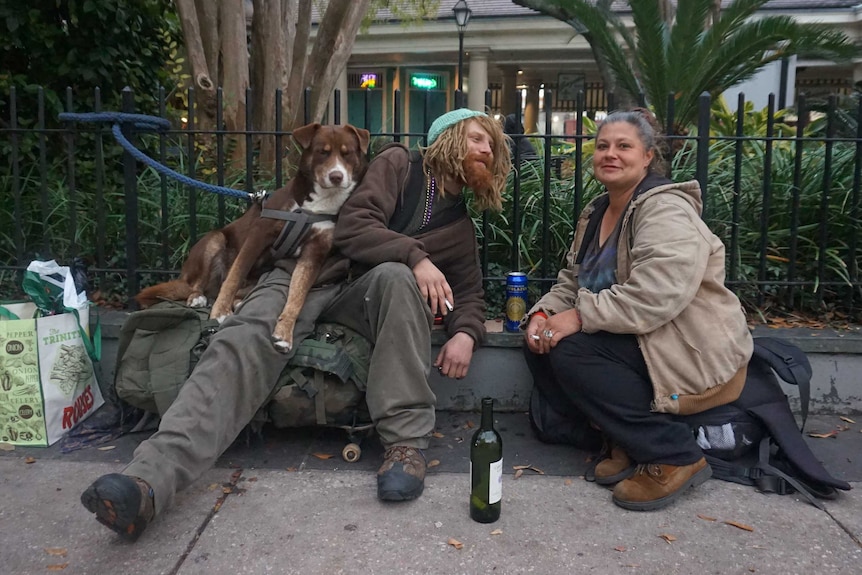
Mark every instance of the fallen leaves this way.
pixel 438 435
pixel 834 433
pixel 739 525
pixel 30 460
pixel 57 551
pixel 620 548
pixel 497 532
pixel 455 543
pixel 667 537
pixel 323 455
pixel 730 522
pixel 568 482
pixel 519 470
pixel 433 463
pixel 107 448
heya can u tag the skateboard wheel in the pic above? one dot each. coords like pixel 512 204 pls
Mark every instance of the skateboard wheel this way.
pixel 351 453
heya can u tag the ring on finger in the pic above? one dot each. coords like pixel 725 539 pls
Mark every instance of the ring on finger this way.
pixel 548 333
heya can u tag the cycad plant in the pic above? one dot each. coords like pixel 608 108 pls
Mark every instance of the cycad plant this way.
pixel 692 49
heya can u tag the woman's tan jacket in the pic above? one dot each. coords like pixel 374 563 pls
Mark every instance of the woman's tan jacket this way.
pixel 670 293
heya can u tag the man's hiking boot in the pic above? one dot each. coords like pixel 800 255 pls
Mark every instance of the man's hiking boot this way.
pixel 616 467
pixel 402 475
pixel 122 503
pixel 656 485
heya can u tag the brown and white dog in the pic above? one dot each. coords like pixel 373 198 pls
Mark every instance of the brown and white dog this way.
pixel 225 263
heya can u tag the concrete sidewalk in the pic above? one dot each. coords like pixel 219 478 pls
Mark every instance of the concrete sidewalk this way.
pixel 280 506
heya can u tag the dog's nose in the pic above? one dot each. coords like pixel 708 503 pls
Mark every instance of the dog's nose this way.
pixel 336 178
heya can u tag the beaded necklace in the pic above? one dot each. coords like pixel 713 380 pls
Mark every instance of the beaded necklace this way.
pixel 430 192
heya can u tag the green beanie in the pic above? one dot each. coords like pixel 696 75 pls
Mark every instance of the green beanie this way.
pixel 450 119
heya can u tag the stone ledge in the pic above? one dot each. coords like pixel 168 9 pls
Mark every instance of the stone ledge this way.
pixel 808 340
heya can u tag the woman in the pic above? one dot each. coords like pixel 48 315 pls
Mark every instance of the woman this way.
pixel 639 326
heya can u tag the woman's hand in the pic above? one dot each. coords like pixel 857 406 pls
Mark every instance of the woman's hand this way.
pixel 455 355
pixel 434 287
pixel 544 334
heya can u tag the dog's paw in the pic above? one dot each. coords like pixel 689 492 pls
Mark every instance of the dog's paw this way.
pixel 197 301
pixel 219 315
pixel 282 337
pixel 281 345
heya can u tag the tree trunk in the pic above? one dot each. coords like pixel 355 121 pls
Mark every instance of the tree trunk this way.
pixel 269 65
pixel 336 37
pixel 208 17
pixel 294 86
pixel 205 88
pixel 234 49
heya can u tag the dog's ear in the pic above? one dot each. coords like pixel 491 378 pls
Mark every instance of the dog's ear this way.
pixel 364 137
pixel 304 135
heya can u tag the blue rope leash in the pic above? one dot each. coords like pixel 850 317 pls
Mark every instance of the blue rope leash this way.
pixel 153 124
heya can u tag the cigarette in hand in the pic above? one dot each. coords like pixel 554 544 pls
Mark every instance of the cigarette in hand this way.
pixel 534 336
pixel 449 305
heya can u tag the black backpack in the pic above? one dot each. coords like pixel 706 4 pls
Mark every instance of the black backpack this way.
pixel 755 440
pixel 752 441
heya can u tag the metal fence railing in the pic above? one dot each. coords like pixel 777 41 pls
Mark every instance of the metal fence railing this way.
pixel 781 188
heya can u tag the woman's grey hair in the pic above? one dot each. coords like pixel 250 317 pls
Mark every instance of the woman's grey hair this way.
pixel 649 133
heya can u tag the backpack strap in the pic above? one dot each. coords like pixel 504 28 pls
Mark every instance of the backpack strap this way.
pixel 790 363
pixel 773 480
pixel 778 419
pixel 765 477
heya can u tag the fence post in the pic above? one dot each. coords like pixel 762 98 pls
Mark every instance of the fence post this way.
pixel 130 189
pixel 703 147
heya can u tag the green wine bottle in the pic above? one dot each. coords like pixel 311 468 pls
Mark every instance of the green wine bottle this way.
pixel 486 468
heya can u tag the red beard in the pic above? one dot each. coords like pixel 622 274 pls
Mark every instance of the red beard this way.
pixel 477 172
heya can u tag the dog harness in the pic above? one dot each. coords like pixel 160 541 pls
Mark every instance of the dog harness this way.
pixel 297 224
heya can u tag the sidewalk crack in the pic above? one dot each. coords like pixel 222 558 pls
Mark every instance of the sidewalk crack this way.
pixel 228 489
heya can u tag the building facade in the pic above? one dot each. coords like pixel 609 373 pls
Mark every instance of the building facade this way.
pixel 517 53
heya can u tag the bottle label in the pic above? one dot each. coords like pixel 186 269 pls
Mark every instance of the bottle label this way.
pixel 495 484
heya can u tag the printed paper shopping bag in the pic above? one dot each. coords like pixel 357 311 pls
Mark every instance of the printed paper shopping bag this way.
pixel 47 382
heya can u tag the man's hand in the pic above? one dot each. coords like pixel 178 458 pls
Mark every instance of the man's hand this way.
pixel 455 355
pixel 543 334
pixel 434 287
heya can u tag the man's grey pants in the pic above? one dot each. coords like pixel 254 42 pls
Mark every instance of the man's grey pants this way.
pixel 240 368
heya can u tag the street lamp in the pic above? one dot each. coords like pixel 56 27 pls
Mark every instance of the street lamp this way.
pixel 462 16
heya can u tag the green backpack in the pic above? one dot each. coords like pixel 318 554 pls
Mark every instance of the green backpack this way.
pixel 323 384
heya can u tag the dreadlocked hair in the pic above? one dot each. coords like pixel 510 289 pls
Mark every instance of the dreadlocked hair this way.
pixel 446 156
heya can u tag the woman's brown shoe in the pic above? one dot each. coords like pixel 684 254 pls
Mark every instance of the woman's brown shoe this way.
pixel 615 468
pixel 656 485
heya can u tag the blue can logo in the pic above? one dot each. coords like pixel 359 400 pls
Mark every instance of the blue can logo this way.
pixel 516 299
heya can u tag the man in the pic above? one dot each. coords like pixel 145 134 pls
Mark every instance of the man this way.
pixel 425 264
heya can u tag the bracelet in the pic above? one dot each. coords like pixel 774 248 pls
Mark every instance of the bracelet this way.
pixel 578 313
pixel 540 313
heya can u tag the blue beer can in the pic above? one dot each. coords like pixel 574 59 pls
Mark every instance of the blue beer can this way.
pixel 516 299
